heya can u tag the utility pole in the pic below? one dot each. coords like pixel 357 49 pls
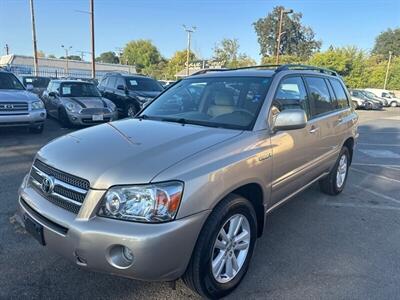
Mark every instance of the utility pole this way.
pixel 278 44
pixel 35 58
pixel 66 57
pixel 387 69
pixel 92 38
pixel 7 49
pixel 189 31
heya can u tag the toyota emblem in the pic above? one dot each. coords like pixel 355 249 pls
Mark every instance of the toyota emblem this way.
pixel 47 185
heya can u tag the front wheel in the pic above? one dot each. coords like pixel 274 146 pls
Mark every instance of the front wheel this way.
pixel 334 183
pixel 224 249
pixel 393 104
pixel 131 110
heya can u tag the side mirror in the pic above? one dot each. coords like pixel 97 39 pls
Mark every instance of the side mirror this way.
pixel 53 94
pixel 29 87
pixel 290 119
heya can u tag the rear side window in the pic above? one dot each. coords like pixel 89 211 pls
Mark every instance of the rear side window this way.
pixel 111 82
pixel 340 94
pixel 320 99
pixel 103 82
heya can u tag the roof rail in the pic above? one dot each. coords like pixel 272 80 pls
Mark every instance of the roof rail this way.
pixel 278 68
pixel 305 67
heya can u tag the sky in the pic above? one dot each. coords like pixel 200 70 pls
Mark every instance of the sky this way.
pixel 335 22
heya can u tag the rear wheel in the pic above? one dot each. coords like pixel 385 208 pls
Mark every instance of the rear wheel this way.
pixel 224 249
pixel 334 183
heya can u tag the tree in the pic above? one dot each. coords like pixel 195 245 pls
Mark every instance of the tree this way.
pixel 177 63
pixel 227 52
pixel 41 54
pixel 51 56
pixel 297 39
pixel 386 41
pixel 141 53
pixel 108 57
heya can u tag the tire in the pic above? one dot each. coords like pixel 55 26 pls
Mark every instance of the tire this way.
pixel 131 110
pixel 199 274
pixel 64 120
pixel 36 129
pixel 393 104
pixel 334 183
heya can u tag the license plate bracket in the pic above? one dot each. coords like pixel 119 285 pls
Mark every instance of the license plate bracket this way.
pixel 97 117
pixel 35 229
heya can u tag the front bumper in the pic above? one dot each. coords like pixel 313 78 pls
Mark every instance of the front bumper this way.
pixel 161 252
pixel 32 118
pixel 87 119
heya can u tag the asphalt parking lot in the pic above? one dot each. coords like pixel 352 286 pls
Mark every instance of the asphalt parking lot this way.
pixel 314 247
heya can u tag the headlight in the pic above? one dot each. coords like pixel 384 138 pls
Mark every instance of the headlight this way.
pixel 152 203
pixel 143 99
pixel 37 105
pixel 73 107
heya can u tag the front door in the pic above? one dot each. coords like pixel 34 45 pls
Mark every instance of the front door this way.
pixel 294 151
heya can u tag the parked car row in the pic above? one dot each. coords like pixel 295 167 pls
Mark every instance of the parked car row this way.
pixel 73 101
pixel 373 99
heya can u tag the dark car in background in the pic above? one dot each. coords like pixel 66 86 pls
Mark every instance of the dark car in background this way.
pixel 369 102
pixel 19 107
pixel 35 84
pixel 76 102
pixel 129 92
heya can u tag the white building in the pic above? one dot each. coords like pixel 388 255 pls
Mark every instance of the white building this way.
pixel 55 67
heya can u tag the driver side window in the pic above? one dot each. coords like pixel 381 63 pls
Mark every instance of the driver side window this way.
pixel 291 94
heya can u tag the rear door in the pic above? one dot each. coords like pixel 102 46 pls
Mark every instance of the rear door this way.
pixel 325 117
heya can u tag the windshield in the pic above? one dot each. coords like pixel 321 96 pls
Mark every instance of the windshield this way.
pixel 79 89
pixel 227 102
pixel 143 84
pixel 37 82
pixel 369 94
pixel 10 82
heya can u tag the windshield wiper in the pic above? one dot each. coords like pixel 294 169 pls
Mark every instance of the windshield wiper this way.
pixel 182 121
pixel 142 117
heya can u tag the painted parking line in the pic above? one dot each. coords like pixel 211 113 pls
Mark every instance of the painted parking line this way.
pixel 394 167
pixel 378 145
pixel 375 175
pixel 380 153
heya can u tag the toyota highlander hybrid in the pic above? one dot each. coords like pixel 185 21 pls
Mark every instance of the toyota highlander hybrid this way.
pixel 183 189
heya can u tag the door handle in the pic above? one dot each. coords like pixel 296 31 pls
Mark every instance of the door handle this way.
pixel 313 129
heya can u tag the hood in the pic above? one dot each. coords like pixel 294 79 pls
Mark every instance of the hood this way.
pixel 147 94
pixel 88 102
pixel 17 95
pixel 129 151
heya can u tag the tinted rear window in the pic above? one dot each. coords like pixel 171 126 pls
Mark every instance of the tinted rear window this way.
pixel 320 99
pixel 143 84
pixel 340 94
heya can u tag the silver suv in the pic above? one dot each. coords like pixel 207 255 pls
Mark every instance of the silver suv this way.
pixel 19 107
pixel 183 189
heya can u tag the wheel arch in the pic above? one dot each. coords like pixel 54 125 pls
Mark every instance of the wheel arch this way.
pixel 349 143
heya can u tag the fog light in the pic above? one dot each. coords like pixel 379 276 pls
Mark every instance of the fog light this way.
pixel 127 254
pixel 120 257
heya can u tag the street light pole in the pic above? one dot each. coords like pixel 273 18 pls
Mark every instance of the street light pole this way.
pixel 387 69
pixel 278 44
pixel 66 57
pixel 92 38
pixel 35 57
pixel 189 31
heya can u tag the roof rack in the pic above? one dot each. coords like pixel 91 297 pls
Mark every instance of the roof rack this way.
pixel 278 68
pixel 305 67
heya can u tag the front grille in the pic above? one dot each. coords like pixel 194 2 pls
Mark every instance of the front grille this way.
pixel 13 108
pixel 68 192
pixel 95 111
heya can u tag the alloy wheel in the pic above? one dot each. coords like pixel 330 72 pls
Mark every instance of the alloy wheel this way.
pixel 231 248
pixel 341 171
